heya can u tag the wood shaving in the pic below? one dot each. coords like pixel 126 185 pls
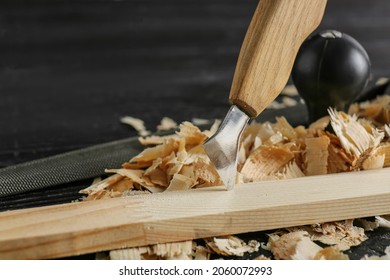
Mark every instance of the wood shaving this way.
pixel 290 90
pixel 370 225
pixel 205 173
pixel 166 124
pixel 276 105
pixel 213 129
pixel 384 149
pixel 383 221
pixel 137 124
pixel 387 129
pixel 374 161
pixel 290 171
pixel 338 159
pixel 377 110
pixel 231 246
pixel 342 234
pixel 102 188
pixel 160 151
pixel 320 124
pixel 330 253
pixel 316 155
pixel 354 138
pixel 262 258
pixel 284 103
pixel 285 129
pixel 155 140
pixel 134 175
pixel 201 253
pixel 294 246
pixel 366 224
pixel 265 162
pixel 381 81
pixel 191 134
pixel 289 102
pixel 200 121
pixel 180 182
pixel 167 251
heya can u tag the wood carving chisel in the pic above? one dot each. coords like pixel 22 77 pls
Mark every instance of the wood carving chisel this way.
pixel 275 34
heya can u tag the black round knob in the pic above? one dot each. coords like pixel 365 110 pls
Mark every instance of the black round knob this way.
pixel 331 69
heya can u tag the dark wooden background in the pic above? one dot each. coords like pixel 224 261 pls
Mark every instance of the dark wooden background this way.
pixel 70 69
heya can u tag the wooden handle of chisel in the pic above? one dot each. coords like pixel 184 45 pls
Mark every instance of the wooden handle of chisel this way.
pixel 277 30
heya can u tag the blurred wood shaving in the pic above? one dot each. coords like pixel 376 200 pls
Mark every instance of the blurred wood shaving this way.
pixel 137 124
pixel 290 90
pixel 167 251
pixel 231 246
pixel 295 245
pixel 166 124
pixel 343 234
pixel 330 253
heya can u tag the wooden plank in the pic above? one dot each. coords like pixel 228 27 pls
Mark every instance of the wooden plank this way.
pixel 77 228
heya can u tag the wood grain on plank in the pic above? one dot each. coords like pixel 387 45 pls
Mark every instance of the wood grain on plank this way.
pixel 77 228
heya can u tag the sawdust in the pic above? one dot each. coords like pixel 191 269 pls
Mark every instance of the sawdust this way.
pixel 167 251
pixel 267 151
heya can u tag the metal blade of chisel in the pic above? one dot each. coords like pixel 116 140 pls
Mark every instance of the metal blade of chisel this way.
pixel 222 147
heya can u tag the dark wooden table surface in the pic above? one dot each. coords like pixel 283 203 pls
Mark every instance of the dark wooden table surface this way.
pixel 70 69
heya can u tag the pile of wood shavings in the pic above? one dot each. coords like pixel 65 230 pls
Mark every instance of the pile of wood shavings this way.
pixel 267 151
pixel 187 250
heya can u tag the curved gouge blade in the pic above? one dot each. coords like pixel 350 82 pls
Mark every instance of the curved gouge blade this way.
pixel 222 147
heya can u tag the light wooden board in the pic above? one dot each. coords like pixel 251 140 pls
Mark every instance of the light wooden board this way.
pixel 77 228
